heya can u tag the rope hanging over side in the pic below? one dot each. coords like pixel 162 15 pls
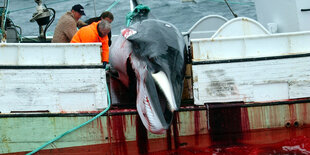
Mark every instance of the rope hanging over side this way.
pixel 77 127
pixel 138 9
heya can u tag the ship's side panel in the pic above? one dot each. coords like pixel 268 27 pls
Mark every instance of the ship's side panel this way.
pixel 252 81
pixel 122 132
pixel 15 54
pixel 52 90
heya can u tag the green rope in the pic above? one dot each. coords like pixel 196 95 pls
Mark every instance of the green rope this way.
pixel 75 128
pixel 112 5
pixel 139 8
pixel 49 33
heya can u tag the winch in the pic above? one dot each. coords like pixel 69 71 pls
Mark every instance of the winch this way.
pixel 43 18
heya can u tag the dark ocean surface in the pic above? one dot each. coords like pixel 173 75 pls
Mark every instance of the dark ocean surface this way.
pixel 182 14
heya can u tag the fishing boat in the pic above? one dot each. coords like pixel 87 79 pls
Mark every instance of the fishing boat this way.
pixel 246 90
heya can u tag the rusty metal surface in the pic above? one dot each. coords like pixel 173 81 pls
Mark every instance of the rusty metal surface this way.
pixel 122 129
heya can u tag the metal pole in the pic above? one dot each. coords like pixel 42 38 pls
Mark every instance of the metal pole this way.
pixel 235 15
pixel 95 8
pixel 3 20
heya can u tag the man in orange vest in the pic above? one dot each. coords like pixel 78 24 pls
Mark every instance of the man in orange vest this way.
pixel 95 32
pixel 106 15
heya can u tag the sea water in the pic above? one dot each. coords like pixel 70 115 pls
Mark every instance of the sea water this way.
pixel 182 14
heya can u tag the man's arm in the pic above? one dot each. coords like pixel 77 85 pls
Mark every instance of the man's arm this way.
pixel 76 38
pixel 70 29
pixel 81 24
pixel 105 49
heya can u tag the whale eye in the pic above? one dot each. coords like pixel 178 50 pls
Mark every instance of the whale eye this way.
pixel 152 60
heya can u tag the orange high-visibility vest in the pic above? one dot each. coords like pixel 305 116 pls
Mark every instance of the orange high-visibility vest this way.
pixel 89 34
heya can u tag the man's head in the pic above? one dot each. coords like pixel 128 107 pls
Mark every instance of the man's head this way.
pixel 108 16
pixel 77 11
pixel 104 27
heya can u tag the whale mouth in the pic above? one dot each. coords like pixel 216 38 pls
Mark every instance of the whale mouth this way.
pixel 163 87
pixel 156 102
pixel 165 96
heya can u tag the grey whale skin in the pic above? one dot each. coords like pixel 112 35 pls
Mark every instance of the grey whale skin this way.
pixel 148 58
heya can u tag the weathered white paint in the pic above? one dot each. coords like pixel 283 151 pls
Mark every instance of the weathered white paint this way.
pixel 50 54
pixel 55 90
pixel 249 81
pixel 250 46
pixel 286 14
pixel 270 91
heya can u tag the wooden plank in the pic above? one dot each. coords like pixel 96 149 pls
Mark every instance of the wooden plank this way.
pixel 250 46
pixel 249 81
pixel 53 90
pixel 16 54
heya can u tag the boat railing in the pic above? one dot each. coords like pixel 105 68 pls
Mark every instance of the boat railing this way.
pixel 51 78
pixel 205 27
pixel 243 62
pixel 245 38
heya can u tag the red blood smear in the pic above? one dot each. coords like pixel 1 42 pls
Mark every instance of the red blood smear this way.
pixel 225 125
pixel 197 125
pixel 118 127
pixel 297 145
pixel 255 143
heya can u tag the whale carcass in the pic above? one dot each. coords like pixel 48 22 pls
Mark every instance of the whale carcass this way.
pixel 148 58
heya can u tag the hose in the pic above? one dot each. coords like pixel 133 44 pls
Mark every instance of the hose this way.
pixel 50 22
pixel 75 128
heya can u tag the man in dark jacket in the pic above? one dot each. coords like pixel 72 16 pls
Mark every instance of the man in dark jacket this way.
pixel 67 25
